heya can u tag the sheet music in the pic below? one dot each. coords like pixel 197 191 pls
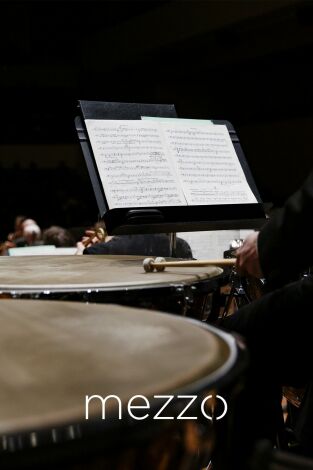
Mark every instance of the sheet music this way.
pixel 207 164
pixel 134 167
pixel 167 163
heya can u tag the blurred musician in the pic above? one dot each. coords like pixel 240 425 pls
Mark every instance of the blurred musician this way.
pixel 57 236
pixel 26 233
pixel 141 245
pixel 277 327
pixel 31 233
pixel 18 228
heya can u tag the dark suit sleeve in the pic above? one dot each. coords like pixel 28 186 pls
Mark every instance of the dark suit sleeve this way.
pixel 278 333
pixel 286 242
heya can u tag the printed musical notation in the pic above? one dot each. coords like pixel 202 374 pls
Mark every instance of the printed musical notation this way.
pixel 207 164
pixel 134 167
pixel 150 164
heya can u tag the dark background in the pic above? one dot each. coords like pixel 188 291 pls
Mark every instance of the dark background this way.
pixel 246 61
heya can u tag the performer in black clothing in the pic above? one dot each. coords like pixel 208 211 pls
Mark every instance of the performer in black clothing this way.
pixel 277 327
pixel 145 245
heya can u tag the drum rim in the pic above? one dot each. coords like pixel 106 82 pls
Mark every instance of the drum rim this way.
pixel 230 362
pixel 94 288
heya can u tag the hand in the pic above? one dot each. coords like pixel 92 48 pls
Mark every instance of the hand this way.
pixel 5 246
pixel 90 238
pixel 248 257
pixel 80 248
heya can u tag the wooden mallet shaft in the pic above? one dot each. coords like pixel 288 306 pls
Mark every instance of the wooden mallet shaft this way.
pixel 150 264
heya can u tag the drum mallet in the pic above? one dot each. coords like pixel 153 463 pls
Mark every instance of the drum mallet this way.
pixel 159 264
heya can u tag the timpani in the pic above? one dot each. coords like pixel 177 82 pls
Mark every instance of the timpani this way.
pixel 54 354
pixel 112 279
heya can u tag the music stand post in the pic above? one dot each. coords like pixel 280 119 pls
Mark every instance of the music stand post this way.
pixel 173 244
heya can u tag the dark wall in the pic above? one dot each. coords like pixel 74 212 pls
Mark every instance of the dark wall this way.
pixel 248 62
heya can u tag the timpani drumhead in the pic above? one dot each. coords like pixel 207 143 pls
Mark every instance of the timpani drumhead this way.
pixel 73 273
pixel 53 354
